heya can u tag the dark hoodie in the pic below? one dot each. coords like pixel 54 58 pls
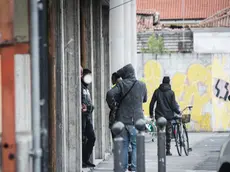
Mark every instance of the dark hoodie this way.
pixel 130 109
pixel 166 103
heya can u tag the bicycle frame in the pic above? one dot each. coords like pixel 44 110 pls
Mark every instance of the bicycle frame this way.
pixel 179 126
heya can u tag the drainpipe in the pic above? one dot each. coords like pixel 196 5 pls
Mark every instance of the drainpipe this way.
pixel 44 83
pixel 36 117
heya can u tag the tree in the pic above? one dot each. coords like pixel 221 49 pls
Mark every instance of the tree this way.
pixel 155 45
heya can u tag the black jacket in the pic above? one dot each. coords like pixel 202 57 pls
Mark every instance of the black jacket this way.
pixel 130 109
pixel 166 103
pixel 86 99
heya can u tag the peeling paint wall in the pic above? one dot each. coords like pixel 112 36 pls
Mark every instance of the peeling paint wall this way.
pixel 198 80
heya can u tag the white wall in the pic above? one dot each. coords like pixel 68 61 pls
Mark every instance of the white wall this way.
pixel 211 41
pixel 23 93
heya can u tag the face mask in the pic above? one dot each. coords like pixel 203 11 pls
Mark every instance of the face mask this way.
pixel 87 78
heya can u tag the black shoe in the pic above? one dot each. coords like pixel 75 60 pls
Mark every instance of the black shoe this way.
pixel 168 153
pixel 129 168
pixel 89 164
pixel 84 165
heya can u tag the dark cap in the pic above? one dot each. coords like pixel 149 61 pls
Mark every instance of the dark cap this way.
pixel 115 77
pixel 86 71
pixel 166 80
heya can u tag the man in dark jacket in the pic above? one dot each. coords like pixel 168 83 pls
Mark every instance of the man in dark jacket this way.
pixel 130 108
pixel 88 134
pixel 115 79
pixel 166 107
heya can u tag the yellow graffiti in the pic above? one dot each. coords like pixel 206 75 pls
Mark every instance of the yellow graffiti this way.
pixel 195 87
pixel 221 108
pixel 152 73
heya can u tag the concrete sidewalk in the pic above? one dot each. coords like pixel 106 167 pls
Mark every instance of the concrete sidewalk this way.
pixel 204 145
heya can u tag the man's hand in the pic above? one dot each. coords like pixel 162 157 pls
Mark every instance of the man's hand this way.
pixel 84 108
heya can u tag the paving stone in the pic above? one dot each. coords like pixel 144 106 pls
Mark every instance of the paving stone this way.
pixel 203 158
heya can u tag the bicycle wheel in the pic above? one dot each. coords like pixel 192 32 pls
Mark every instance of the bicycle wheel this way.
pixel 185 141
pixel 177 136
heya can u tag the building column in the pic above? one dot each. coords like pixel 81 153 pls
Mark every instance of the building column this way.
pixel 116 33
pixel 127 32
pixel 107 78
pixel 122 33
pixel 69 139
pixel 98 83
pixel 133 35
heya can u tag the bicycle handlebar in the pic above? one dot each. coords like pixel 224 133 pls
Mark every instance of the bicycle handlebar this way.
pixel 180 116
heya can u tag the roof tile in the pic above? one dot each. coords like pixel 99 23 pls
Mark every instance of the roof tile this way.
pixel 172 9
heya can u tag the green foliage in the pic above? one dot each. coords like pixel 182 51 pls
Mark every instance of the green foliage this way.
pixel 155 45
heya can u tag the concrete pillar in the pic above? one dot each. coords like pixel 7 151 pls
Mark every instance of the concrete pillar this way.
pixel 69 147
pixel 127 32
pixel 98 84
pixel 133 36
pixel 86 8
pixel 107 78
pixel 116 32
pixel 122 33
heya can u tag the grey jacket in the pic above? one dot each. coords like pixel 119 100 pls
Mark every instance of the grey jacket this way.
pixel 130 109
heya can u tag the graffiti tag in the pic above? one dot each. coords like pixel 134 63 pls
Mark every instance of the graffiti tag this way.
pixel 222 89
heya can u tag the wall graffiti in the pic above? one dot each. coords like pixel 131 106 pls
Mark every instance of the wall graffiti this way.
pixel 222 89
pixel 205 87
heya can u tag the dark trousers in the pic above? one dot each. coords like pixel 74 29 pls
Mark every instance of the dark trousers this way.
pixel 89 138
pixel 168 135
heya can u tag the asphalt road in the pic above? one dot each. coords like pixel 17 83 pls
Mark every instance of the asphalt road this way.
pixel 203 157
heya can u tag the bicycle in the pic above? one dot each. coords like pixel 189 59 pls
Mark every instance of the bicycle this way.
pixel 151 128
pixel 180 131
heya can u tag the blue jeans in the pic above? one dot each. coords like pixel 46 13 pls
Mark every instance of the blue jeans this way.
pixel 129 135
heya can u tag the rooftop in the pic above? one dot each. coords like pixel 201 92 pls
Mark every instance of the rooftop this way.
pixel 172 9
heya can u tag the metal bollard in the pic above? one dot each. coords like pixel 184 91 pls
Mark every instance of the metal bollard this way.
pixel 140 126
pixel 118 146
pixel 161 123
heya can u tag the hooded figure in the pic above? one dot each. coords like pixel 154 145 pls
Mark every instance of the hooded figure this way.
pixel 130 108
pixel 166 107
pixel 166 102
pixel 88 133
